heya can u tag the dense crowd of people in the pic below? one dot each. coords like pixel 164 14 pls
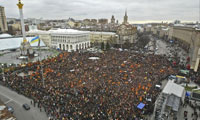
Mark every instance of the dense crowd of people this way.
pixel 76 87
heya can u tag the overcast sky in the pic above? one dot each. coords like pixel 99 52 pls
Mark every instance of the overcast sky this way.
pixel 138 10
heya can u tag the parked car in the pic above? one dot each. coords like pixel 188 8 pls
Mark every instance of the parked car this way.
pixel 10 109
pixel 26 106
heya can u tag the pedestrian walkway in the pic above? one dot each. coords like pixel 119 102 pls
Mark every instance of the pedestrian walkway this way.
pixel 190 109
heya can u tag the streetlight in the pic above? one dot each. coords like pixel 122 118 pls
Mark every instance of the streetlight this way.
pixel 2 66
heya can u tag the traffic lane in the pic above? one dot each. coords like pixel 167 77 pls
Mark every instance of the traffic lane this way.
pixel 21 114
pixel 4 99
pixel 16 101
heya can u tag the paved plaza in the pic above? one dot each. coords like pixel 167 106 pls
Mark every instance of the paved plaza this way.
pixel 12 57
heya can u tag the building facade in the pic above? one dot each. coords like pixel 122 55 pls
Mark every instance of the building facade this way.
pixel 188 38
pixel 64 39
pixel 70 41
pixel 103 21
pixel 3 22
pixel 105 37
pixel 126 32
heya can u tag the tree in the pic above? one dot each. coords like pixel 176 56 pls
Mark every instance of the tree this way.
pixel 127 44
pixel 102 46
pixel 107 46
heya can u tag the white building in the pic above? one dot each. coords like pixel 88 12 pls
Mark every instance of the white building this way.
pixel 64 39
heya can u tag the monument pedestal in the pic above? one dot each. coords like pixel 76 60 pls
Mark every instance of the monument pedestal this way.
pixel 26 49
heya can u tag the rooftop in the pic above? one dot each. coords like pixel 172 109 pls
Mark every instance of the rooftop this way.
pixel 67 31
pixel 108 33
pixel 58 31
pixel 173 88
pixel 12 43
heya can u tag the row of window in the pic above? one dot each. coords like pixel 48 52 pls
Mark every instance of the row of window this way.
pixel 69 41
pixel 68 37
pixel 79 46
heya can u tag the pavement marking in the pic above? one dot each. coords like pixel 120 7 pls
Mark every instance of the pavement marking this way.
pixel 11 99
pixel 8 101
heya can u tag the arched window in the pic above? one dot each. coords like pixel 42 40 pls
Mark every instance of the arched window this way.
pixel 76 47
pixel 79 46
pixel 83 46
pixel 60 46
pixel 67 47
pixel 63 47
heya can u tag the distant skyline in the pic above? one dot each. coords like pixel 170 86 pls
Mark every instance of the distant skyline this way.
pixel 139 11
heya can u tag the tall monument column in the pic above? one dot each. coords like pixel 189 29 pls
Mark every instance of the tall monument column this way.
pixel 25 47
pixel 20 6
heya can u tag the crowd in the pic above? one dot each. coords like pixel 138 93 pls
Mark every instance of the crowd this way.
pixel 76 87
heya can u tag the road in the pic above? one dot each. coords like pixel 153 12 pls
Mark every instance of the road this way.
pixel 11 98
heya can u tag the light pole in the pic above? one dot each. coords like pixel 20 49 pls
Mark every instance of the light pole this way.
pixel 2 66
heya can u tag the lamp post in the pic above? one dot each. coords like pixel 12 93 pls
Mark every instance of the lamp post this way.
pixel 3 75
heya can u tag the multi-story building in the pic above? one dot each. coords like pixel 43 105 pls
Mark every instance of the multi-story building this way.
pixel 103 21
pixel 64 39
pixel 105 37
pixel 187 37
pixel 94 21
pixel 126 32
pixel 3 22
pixel 190 39
pixel 86 22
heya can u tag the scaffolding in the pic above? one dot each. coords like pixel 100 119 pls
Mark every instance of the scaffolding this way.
pixel 160 105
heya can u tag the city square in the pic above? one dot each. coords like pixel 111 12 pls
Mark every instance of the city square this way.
pixel 58 62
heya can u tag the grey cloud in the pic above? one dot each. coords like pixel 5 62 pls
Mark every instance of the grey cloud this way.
pixel 138 10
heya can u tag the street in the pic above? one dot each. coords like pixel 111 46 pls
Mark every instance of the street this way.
pixel 13 99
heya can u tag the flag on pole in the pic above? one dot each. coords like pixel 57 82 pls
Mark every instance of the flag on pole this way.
pixel 36 39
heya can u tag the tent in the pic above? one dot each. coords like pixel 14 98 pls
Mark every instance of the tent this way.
pixel 141 106
pixel 94 58
pixel 175 94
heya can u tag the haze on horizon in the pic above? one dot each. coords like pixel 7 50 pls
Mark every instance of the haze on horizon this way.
pixel 139 11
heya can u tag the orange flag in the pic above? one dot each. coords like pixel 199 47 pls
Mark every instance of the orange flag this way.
pixel 140 98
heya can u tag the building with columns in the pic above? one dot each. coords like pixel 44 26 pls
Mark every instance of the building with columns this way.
pixel 3 22
pixel 64 39
pixel 70 40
